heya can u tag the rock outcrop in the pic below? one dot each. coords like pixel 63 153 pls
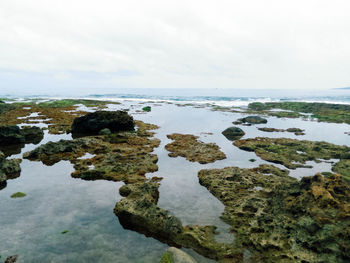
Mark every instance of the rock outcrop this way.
pixel 188 146
pixel 282 219
pixel 138 211
pixel 93 123
pixel 251 120
pixel 9 169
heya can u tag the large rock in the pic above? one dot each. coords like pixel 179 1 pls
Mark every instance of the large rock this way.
pixel 11 135
pixel 233 133
pixel 93 123
pixel 9 169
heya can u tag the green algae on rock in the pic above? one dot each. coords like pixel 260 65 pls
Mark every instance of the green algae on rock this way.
pixel 147 108
pixel 251 120
pixel 282 219
pixel 293 153
pixel 127 158
pixel 296 131
pixel 18 195
pixel 138 211
pixel 188 146
pixel 323 112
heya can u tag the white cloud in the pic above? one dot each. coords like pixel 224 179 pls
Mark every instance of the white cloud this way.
pixel 169 44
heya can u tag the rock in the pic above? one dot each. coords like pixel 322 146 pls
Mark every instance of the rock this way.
pixel 252 120
pixel 147 108
pixel 10 135
pixel 139 211
pixel 11 259
pixel 296 131
pixel 125 156
pixel 93 123
pixel 233 133
pixel 9 169
pixel 13 135
pixel 294 153
pixel 285 220
pixel 187 145
pixel 180 256
pixel 18 195
pixel 105 131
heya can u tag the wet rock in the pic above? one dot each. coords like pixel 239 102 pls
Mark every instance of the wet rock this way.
pixel 233 133
pixel 105 131
pixel 139 211
pixel 13 135
pixel 252 120
pixel 125 156
pixel 9 169
pixel 188 146
pixel 93 123
pixel 11 259
pixel 293 153
pixel 179 256
pixel 285 220
pixel 296 131
pixel 18 195
pixel 147 108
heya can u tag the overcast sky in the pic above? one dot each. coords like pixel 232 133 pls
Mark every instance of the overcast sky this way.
pixel 98 46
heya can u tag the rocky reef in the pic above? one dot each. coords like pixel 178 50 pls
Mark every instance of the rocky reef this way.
pixel 123 156
pixel 188 146
pixel 281 219
pixel 296 131
pixel 93 123
pixel 138 211
pixel 9 169
pixel 323 112
pixel 294 153
pixel 233 133
pixel 58 114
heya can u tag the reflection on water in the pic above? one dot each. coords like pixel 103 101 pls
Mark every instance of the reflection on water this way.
pixel 55 202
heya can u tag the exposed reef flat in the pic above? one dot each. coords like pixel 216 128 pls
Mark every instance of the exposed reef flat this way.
pixel 124 156
pixel 282 219
pixel 58 114
pixel 323 112
pixel 294 153
pixel 188 146
pixel 138 211
pixel 296 131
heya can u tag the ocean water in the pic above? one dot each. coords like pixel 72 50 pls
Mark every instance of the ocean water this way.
pixel 32 226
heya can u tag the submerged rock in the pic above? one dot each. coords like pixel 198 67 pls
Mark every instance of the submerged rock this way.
pixel 282 219
pixel 93 123
pixel 18 195
pixel 11 259
pixel 138 211
pixel 147 108
pixel 296 131
pixel 233 133
pixel 187 145
pixel 175 255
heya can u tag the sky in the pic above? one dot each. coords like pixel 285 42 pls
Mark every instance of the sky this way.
pixel 85 46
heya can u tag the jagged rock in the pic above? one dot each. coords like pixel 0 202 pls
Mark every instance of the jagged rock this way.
pixel 187 145
pixel 93 123
pixel 282 219
pixel 138 211
pixel 233 133
pixel 11 259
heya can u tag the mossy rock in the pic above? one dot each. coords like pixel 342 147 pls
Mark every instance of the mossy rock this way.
pixel 167 258
pixel 18 195
pixel 147 108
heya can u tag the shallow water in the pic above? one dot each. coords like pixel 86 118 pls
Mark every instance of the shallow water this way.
pixel 55 202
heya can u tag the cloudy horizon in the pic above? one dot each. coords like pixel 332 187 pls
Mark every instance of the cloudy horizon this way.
pixel 84 46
